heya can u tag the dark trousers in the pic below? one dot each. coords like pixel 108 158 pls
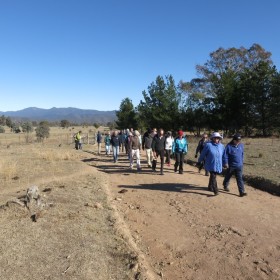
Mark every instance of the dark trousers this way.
pixel 179 157
pixel 161 155
pixel 212 186
pixel 168 153
pixel 237 171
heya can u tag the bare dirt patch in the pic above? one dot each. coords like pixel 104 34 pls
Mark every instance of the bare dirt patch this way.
pixel 187 233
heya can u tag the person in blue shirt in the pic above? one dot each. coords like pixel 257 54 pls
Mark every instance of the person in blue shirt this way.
pixel 233 160
pixel 212 154
pixel 179 149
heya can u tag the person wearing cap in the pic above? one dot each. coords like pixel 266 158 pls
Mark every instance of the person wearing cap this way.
pixel 212 153
pixel 135 146
pixel 158 145
pixel 179 148
pixel 199 149
pixel 233 160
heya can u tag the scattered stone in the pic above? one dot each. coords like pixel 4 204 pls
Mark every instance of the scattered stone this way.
pixel 123 191
pixel 98 205
pixel 47 190
pixel 15 178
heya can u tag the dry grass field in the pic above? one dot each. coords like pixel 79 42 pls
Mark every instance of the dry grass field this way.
pixel 75 234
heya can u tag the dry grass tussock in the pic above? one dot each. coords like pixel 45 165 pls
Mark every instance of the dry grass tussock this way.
pixel 54 155
pixel 8 169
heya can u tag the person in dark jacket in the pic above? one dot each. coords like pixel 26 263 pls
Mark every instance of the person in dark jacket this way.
pixel 147 146
pixel 158 146
pixel 99 141
pixel 116 143
pixel 233 160
pixel 199 149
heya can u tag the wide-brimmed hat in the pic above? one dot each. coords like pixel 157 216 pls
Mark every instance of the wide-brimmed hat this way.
pixel 216 135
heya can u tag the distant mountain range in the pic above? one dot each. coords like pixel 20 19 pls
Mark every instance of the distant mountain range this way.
pixel 73 115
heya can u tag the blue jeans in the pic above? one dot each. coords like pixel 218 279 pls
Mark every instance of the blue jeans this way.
pixel 116 150
pixel 237 171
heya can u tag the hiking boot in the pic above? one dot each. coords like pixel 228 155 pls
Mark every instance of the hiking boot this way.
pixel 206 173
pixel 243 194
pixel 161 173
pixel 180 172
pixel 175 169
pixel 226 189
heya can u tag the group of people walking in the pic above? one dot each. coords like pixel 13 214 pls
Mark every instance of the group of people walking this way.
pixel 214 156
pixel 158 145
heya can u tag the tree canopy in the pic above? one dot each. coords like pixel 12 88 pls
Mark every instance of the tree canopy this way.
pixel 236 90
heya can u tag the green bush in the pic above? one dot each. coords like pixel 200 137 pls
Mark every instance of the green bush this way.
pixel 2 129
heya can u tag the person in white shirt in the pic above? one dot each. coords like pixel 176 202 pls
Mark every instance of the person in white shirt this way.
pixel 168 147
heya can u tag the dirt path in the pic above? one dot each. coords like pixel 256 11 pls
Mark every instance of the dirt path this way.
pixel 187 233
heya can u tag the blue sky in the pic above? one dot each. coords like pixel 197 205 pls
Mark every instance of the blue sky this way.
pixel 91 54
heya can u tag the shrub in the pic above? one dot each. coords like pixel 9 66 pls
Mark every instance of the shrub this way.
pixel 2 129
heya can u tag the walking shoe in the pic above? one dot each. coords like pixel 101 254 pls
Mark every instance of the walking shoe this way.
pixel 175 169
pixel 226 189
pixel 180 172
pixel 161 173
pixel 243 194
pixel 206 173
pixel 216 193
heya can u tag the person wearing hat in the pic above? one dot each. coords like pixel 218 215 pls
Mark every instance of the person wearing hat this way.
pixel 212 154
pixel 233 160
pixel 179 148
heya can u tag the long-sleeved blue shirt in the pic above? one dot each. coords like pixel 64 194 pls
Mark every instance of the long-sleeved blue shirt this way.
pixel 212 153
pixel 233 155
